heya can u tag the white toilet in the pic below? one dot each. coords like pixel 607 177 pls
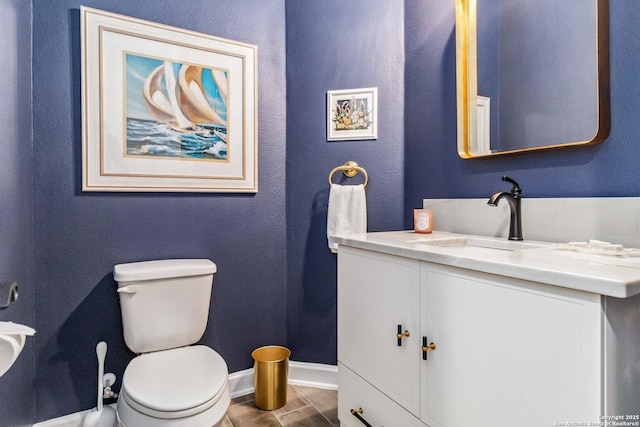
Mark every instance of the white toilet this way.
pixel 165 308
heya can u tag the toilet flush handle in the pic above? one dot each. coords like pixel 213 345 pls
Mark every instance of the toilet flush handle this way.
pixel 131 289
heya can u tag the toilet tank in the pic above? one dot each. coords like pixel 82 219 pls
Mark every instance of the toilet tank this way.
pixel 164 303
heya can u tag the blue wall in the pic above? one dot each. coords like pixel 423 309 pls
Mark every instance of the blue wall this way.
pixel 81 236
pixel 429 105
pixel 276 280
pixel 359 46
pixel 16 218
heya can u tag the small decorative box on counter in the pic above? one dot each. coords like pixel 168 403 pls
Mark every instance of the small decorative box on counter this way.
pixel 422 220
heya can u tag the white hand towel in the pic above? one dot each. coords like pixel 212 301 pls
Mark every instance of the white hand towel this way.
pixel 346 213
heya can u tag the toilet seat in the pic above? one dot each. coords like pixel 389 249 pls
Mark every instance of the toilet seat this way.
pixel 175 383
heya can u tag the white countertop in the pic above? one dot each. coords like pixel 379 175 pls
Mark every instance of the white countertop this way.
pixel 601 274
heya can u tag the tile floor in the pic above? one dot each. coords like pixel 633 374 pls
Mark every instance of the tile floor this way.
pixel 306 407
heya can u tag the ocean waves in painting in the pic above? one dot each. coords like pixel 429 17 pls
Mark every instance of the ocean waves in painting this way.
pixel 150 138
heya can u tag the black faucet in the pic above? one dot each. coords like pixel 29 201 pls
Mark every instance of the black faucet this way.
pixel 513 198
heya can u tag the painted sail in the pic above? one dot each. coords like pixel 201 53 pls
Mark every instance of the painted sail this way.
pixel 163 106
pixel 193 103
pixel 181 103
pixel 220 78
pixel 173 92
pixel 154 98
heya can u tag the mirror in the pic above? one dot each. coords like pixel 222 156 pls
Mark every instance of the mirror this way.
pixel 531 75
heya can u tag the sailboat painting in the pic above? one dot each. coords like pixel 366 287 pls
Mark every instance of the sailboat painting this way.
pixel 165 108
pixel 175 110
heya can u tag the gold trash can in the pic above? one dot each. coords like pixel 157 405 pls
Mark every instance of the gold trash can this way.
pixel 270 370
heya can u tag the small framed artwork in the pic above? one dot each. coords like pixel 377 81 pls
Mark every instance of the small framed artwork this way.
pixel 166 109
pixel 352 114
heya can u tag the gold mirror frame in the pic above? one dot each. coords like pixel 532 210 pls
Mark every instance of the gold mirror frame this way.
pixel 467 83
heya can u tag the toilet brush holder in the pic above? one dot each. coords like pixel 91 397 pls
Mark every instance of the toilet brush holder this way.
pixel 102 416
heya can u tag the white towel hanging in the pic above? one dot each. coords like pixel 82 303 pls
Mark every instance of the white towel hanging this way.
pixel 346 213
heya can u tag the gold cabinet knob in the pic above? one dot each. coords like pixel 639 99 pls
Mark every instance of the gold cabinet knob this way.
pixel 426 347
pixel 431 346
pixel 401 335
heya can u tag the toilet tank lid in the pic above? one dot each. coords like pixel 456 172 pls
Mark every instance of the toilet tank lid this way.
pixel 162 269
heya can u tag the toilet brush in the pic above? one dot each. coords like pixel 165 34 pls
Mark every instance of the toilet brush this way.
pixel 101 416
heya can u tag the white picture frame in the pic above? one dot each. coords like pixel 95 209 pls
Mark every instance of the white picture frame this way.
pixel 166 109
pixel 352 114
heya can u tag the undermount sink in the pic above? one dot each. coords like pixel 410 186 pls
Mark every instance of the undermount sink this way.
pixel 12 339
pixel 475 243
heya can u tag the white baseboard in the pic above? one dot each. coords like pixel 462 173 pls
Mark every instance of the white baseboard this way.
pixel 241 383
pixel 71 420
pixel 313 375
pixel 300 373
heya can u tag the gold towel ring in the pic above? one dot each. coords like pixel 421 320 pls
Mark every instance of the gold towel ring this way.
pixel 350 169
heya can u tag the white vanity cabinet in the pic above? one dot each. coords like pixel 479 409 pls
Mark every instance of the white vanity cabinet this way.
pixel 507 352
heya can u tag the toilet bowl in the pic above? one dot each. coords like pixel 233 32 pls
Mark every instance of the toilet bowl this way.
pixel 165 307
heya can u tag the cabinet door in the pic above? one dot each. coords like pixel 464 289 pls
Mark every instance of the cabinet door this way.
pixel 508 352
pixel 376 293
